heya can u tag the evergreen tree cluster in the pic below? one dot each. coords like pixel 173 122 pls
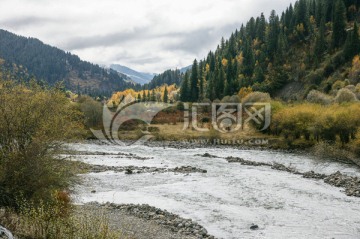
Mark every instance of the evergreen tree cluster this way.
pixel 261 54
pixel 51 65
pixel 168 77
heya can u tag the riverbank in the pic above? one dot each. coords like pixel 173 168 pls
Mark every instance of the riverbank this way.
pixel 146 222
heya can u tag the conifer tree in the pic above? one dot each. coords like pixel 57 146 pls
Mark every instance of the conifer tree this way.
pixel 339 24
pixel 194 82
pixel 320 43
pixel 302 16
pixel 352 45
pixel 148 98
pixel 272 38
pixel 185 88
pixel 144 96
pixel 166 96
pixel 153 96
pixel 261 28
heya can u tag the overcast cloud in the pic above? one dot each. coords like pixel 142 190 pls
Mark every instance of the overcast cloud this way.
pixel 146 35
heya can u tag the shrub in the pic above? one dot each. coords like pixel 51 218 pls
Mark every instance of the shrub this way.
pixel 322 123
pixel 34 123
pixel 295 121
pixel 234 99
pixel 315 77
pixel 318 97
pixel 338 85
pixel 345 95
pixel 92 111
pixel 180 106
pixel 226 99
pixel 256 97
pixel 357 91
pixel 352 88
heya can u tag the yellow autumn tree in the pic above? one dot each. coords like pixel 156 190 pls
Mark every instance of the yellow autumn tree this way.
pixel 355 70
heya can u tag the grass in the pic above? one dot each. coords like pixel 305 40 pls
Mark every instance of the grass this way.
pixel 175 132
pixel 43 221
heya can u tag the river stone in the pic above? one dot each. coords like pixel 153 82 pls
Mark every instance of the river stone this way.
pixel 254 227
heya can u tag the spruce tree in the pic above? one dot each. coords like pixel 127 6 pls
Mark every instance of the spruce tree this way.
pixel 148 98
pixel 153 96
pixel 185 88
pixel 248 62
pixel 144 96
pixel 272 37
pixel 261 28
pixel 352 44
pixel 166 97
pixel 320 44
pixel 194 82
pixel 302 16
pixel 339 24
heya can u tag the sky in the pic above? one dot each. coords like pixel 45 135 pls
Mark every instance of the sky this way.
pixel 145 35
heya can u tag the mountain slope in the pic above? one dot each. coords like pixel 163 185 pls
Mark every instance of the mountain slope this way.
pixel 168 77
pixel 53 65
pixel 308 46
pixel 138 77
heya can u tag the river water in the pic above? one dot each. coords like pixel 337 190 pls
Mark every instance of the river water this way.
pixel 229 197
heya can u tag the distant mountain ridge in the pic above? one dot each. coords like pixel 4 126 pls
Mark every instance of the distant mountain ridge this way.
pixel 52 65
pixel 138 77
pixel 185 69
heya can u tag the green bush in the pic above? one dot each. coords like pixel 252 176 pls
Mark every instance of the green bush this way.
pixel 34 123
pixel 92 110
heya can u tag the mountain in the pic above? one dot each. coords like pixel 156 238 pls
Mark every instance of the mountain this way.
pixel 138 77
pixel 52 65
pixel 312 45
pixel 185 69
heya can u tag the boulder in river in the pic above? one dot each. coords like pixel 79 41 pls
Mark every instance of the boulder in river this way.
pixel 254 227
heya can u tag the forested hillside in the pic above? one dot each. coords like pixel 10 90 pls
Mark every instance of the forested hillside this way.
pixel 29 57
pixel 168 77
pixel 309 46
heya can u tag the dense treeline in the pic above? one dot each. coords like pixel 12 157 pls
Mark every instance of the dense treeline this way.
pixel 52 65
pixel 168 77
pixel 266 54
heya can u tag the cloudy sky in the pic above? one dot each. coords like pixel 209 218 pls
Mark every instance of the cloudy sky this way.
pixel 146 35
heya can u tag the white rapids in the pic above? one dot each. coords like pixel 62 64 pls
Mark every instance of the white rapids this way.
pixel 229 197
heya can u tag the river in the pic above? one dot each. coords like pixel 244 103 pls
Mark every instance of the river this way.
pixel 229 197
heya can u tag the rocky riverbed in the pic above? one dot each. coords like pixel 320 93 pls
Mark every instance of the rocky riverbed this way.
pixel 178 226
pixel 89 168
pixel 243 194
pixel 337 179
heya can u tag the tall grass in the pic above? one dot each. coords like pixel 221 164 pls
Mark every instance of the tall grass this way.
pixel 43 220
